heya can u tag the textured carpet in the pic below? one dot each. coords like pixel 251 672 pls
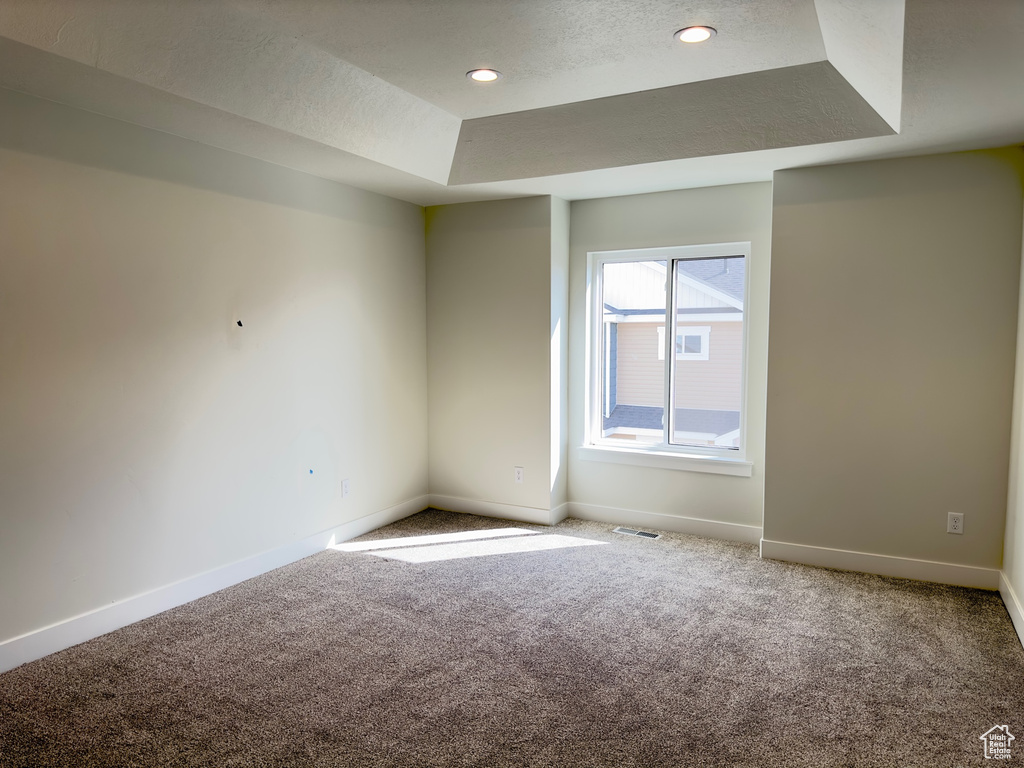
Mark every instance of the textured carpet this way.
pixel 676 652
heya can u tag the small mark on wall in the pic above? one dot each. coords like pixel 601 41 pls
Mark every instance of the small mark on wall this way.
pixel 234 329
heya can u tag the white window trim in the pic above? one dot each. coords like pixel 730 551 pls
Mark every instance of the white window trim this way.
pixel 687 462
pixel 717 460
pixel 704 331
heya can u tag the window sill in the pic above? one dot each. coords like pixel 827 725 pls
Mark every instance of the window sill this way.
pixel 686 462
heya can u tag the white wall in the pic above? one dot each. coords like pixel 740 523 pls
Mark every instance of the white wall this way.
pixel 894 293
pixel 559 347
pixel 1012 582
pixel 489 324
pixel 146 438
pixel 689 217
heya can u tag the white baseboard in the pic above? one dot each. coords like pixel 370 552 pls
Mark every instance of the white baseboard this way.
pixel 64 634
pixel 1013 605
pixel 712 529
pixel 559 513
pixel 372 522
pixel 883 565
pixel 497 509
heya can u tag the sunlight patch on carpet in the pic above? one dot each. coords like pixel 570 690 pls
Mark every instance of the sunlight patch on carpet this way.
pixel 481 548
pixel 437 538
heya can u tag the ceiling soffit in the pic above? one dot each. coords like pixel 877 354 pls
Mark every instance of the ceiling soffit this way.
pixel 220 56
pixel 795 106
pixel 864 42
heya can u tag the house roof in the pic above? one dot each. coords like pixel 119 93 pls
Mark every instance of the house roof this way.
pixel 687 419
pixel 726 275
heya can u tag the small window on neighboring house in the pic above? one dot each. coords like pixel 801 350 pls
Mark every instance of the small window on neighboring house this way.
pixel 692 342
pixel 694 402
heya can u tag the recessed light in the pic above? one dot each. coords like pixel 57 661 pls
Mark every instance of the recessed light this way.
pixel 483 75
pixel 695 34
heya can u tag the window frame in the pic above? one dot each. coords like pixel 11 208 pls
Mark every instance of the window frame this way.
pixel 664 454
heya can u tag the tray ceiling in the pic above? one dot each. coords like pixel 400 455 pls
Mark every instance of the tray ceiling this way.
pixel 596 98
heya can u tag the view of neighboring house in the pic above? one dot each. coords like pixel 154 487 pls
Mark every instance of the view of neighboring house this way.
pixel 708 351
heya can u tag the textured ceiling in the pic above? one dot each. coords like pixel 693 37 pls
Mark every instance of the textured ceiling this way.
pixel 792 106
pixel 597 98
pixel 550 51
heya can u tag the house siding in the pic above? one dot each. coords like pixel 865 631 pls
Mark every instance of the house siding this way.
pixel 712 384
pixel 641 376
pixel 715 383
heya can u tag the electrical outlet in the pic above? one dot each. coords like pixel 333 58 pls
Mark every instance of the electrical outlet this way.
pixel 955 522
pixel 346 488
pixel 520 474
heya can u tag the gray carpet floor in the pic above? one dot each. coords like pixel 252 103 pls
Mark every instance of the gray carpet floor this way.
pixel 675 652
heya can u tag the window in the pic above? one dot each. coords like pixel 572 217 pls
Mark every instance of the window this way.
pixel 680 392
pixel 691 342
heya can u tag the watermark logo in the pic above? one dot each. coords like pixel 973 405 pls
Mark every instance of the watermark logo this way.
pixel 997 742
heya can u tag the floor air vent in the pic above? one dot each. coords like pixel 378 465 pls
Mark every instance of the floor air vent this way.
pixel 641 534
